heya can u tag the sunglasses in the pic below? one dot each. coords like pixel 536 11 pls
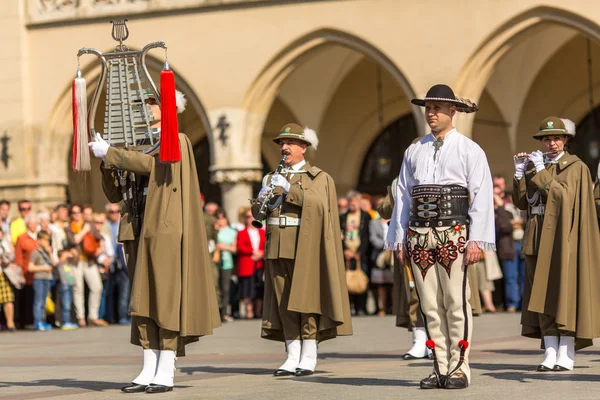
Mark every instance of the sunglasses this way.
pixel 114 211
pixel 25 209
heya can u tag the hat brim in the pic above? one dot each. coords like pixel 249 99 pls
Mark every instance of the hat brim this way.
pixel 291 136
pixel 460 106
pixel 552 132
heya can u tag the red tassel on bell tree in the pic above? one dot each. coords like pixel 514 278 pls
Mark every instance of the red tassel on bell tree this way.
pixel 169 151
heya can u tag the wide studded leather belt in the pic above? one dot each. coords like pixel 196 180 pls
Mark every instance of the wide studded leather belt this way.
pixel 439 205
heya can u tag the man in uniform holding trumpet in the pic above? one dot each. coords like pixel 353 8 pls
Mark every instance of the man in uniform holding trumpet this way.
pixel 560 302
pixel 306 299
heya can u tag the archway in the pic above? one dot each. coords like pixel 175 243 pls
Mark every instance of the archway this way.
pixel 532 67
pixel 383 160
pixel 340 86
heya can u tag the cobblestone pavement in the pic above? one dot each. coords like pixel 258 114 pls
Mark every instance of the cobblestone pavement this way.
pixel 93 363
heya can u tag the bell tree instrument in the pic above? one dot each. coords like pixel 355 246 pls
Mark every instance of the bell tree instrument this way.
pixel 128 116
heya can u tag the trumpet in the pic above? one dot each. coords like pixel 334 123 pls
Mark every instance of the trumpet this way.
pixel 262 213
pixel 526 156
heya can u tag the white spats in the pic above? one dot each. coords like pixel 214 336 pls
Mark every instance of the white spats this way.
pixel 148 369
pixel 166 369
pixel 566 353
pixel 294 348
pixel 308 358
pixel 419 350
pixel 551 343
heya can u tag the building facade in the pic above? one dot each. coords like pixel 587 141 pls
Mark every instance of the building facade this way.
pixel 345 68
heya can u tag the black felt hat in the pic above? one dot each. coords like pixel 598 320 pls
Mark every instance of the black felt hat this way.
pixel 446 94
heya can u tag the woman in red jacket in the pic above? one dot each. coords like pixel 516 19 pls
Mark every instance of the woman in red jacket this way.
pixel 250 251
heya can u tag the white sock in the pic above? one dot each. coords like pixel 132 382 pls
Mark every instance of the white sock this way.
pixel 566 352
pixel 293 355
pixel 308 359
pixel 148 369
pixel 165 372
pixel 419 349
pixel 551 343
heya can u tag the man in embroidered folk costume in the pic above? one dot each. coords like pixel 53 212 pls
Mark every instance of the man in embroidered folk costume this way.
pixel 173 300
pixel 561 303
pixel 405 300
pixel 306 299
pixel 442 221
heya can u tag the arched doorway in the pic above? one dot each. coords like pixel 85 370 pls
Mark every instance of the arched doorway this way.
pixel 382 163
pixel 534 66
pixel 586 143
pixel 344 89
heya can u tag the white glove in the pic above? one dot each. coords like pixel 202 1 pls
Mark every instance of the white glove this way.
pixel 263 192
pixel 278 180
pixel 99 147
pixel 520 165
pixel 537 158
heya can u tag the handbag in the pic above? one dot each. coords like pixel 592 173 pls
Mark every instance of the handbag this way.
pixel 492 266
pixel 90 245
pixel 356 280
pixel 14 273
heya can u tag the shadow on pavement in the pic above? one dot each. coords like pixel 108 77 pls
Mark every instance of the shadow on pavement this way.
pixel 516 352
pixel 360 356
pixel 98 386
pixel 545 376
pixel 358 381
pixel 227 370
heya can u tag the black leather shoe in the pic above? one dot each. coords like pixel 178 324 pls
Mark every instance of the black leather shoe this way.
pixel 134 388
pixel 558 368
pixel 409 356
pixel 543 368
pixel 152 388
pixel 431 382
pixel 282 372
pixel 456 381
pixel 303 372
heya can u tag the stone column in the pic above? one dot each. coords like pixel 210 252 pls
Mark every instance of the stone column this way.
pixel 236 188
pixel 236 149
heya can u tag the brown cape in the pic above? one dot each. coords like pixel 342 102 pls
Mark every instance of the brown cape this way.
pixel 567 269
pixel 319 281
pixel 172 282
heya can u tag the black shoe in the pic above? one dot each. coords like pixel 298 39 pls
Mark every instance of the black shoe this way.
pixel 558 368
pixel 543 368
pixel 134 388
pixel 303 372
pixel 431 382
pixel 457 381
pixel 282 372
pixel 152 388
pixel 409 356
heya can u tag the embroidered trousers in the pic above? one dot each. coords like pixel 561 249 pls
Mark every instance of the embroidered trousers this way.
pixel 441 280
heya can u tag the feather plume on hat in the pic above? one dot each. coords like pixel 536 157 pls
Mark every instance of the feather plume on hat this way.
pixel 569 125
pixel 181 101
pixel 311 137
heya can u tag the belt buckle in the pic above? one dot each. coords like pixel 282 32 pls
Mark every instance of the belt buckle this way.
pixel 282 221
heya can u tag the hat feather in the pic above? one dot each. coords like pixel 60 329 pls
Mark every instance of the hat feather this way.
pixel 311 137
pixel 181 101
pixel 569 125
